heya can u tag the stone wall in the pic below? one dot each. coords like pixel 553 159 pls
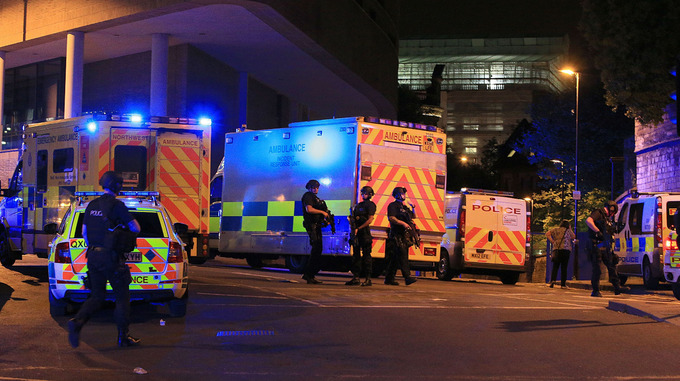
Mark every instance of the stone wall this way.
pixel 658 157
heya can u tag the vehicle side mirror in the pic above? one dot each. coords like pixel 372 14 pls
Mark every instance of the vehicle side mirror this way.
pixel 181 228
pixel 50 228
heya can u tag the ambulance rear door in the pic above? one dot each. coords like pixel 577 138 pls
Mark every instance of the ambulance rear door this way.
pixel 511 235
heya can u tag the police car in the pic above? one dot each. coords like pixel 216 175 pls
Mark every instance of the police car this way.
pixel 158 265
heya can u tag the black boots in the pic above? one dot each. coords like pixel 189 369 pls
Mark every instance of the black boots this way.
pixel 125 340
pixel 74 327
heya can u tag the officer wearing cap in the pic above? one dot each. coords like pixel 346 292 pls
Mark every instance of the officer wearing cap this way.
pixel 313 215
pixel 363 215
pixel 101 215
pixel 396 248
pixel 600 225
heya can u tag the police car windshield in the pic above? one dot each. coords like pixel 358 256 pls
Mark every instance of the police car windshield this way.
pixel 150 221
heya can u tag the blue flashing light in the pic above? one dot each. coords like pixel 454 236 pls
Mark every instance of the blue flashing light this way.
pixel 139 193
pixel 205 121
pixel 92 126
pixel 325 181
pixel 85 194
pixel 136 118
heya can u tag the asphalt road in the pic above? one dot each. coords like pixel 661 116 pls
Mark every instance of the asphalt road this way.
pixel 247 324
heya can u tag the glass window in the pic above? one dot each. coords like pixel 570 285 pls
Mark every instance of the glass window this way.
pixel 41 171
pixel 62 160
pixel 130 162
pixel 150 223
pixel 671 208
pixel 635 218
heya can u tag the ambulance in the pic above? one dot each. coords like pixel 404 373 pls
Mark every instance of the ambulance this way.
pixel 643 227
pixel 170 156
pixel 487 232
pixel 266 172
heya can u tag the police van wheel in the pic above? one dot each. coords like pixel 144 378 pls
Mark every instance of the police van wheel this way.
pixel 254 262
pixel 651 283
pixel 296 263
pixel 509 277
pixel 6 256
pixel 444 271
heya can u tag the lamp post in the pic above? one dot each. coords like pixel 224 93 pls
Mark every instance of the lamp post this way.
pixel 577 194
pixel 561 163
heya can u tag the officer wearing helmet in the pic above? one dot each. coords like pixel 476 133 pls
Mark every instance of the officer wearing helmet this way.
pixel 101 216
pixel 396 247
pixel 363 215
pixel 600 225
pixel 313 214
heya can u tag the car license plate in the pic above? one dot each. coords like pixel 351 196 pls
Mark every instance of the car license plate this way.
pixel 133 257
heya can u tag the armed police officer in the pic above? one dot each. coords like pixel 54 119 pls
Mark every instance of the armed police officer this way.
pixel 400 239
pixel 101 216
pixel 601 229
pixel 315 213
pixel 363 215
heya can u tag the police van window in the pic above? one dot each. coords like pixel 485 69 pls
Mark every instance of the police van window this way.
pixel 648 213
pixel 130 162
pixel 623 215
pixel 41 171
pixel 62 160
pixel 635 218
pixel 671 209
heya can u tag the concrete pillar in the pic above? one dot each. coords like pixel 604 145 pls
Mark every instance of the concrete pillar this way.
pixel 73 99
pixel 159 75
pixel 242 100
pixel 2 94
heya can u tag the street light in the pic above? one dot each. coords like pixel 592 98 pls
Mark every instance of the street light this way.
pixel 577 194
pixel 561 163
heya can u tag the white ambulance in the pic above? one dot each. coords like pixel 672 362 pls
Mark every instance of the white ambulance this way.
pixel 487 232
pixel 643 223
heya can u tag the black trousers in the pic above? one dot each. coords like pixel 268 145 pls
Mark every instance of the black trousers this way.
pixel 118 274
pixel 316 242
pixel 600 252
pixel 561 262
pixel 362 265
pixel 397 256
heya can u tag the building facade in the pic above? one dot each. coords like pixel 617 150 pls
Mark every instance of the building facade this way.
pixel 260 64
pixel 657 156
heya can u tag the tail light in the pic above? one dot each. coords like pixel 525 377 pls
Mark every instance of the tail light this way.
pixel 175 253
pixel 658 240
pixel 671 244
pixel 63 253
pixel 204 245
pixel 528 227
pixel 461 225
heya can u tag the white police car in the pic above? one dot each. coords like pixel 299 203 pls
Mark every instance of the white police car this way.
pixel 158 265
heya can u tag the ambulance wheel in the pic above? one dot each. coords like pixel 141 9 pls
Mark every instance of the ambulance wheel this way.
pixel 197 260
pixel 676 290
pixel 651 283
pixel 296 263
pixel 444 271
pixel 6 256
pixel 254 262
pixel 623 279
pixel 509 277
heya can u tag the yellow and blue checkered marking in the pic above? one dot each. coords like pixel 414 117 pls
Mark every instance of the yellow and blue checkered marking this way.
pixel 261 216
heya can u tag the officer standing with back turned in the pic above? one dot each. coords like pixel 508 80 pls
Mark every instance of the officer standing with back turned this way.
pixel 103 263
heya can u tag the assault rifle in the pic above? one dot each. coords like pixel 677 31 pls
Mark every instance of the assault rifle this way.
pixel 352 226
pixel 412 235
pixel 330 220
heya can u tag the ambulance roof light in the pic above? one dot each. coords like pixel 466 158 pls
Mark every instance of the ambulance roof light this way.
pixel 136 118
pixel 205 121
pixel 92 126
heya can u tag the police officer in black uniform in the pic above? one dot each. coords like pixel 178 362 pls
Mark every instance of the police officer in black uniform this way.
pixel 396 247
pixel 600 232
pixel 314 213
pixel 363 214
pixel 101 215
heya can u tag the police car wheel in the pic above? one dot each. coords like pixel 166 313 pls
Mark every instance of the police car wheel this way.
pixel 509 277
pixel 6 257
pixel 58 307
pixel 651 283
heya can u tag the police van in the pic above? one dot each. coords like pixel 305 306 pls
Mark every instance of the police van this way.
pixel 644 219
pixel 487 232
pixel 158 264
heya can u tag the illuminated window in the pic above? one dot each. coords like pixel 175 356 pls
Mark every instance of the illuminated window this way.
pixel 471 150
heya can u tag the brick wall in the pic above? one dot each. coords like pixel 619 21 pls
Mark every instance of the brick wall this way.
pixel 658 157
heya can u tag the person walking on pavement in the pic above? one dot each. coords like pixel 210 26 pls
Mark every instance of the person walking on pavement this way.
pixel 314 212
pixel 600 231
pixel 561 239
pixel 363 215
pixel 397 245
pixel 103 263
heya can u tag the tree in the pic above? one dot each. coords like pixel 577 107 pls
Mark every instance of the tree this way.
pixel 635 44
pixel 409 108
